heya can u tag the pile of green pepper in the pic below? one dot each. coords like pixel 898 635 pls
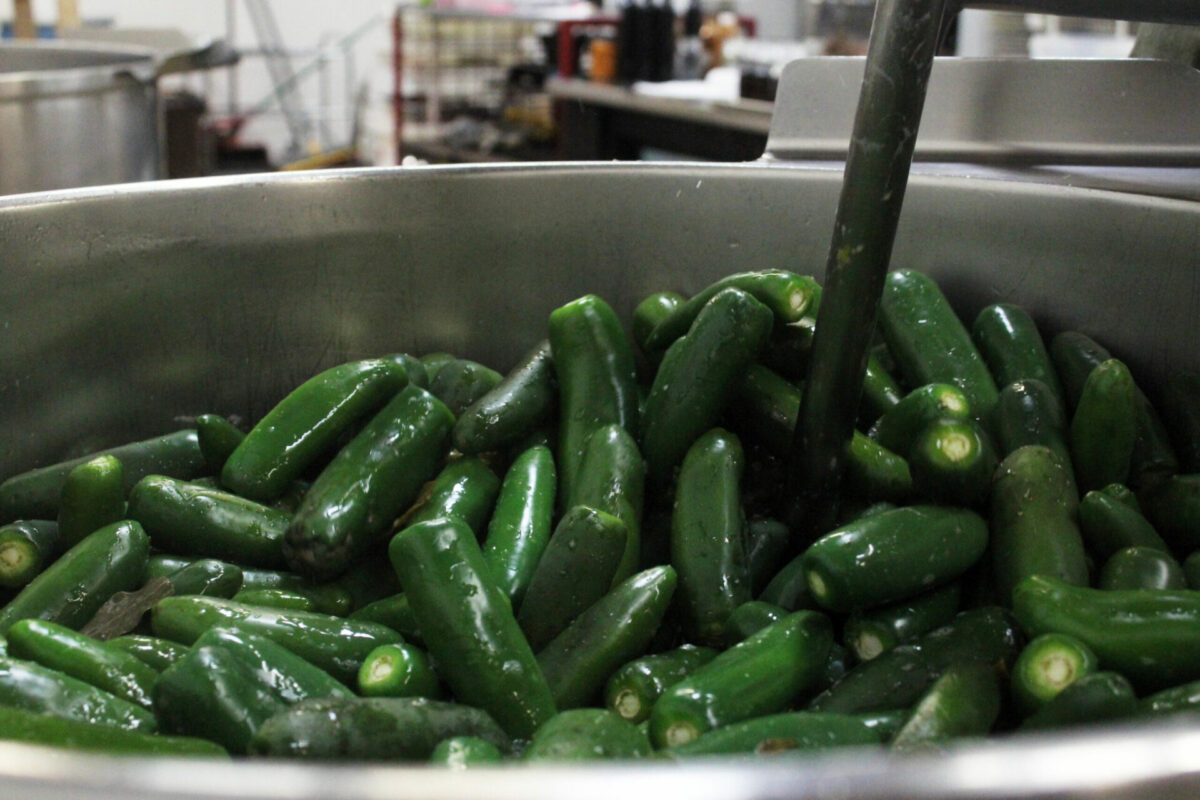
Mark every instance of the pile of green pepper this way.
pixel 422 559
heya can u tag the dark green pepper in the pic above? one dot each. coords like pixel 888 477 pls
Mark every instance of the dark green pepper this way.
pixel 1028 413
pixel 1109 524
pixel 91 661
pixel 468 625
pixel 1011 345
pixel 633 689
pixel 899 427
pixel 30 727
pixel 1095 698
pixel 760 676
pixel 35 688
pixel 618 627
pixel 1152 637
pixel 212 694
pixel 461 382
pixel 787 295
pixel 207 576
pixel 514 408
pixel 870 633
pixel 282 599
pixel 461 752
pixel 354 502
pixel 398 670
pixel 612 478
pixel 893 555
pixel 575 571
pixel 218 438
pixel 336 645
pixel 1104 427
pixel 182 517
pixel 648 313
pixel 749 618
pixel 36 494
pixel 1033 521
pixel 1141 568
pixel 964 701
pixel 158 654
pixel 585 734
pixel 900 676
pixel 797 730
pixel 708 544
pixel 1048 665
pixel 372 729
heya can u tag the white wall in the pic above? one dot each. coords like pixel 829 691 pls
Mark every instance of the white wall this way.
pixel 777 19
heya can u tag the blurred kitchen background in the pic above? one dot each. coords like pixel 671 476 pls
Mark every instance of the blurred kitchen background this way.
pixel 358 82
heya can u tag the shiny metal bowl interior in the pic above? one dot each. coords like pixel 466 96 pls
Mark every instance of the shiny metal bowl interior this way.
pixel 126 311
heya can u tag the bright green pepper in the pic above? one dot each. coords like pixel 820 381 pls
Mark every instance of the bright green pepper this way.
pixel 35 688
pixel 597 380
pixel 91 661
pixel 93 496
pixel 26 548
pixel 73 588
pixel 519 530
pixel 306 423
pixel 698 376
pixel 466 489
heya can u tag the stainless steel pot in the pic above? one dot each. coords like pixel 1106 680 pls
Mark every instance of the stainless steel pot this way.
pixel 78 115
pixel 128 310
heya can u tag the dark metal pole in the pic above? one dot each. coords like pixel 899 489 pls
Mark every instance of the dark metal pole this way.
pixel 904 37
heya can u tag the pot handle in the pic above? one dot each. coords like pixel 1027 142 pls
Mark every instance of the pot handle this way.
pixel 215 54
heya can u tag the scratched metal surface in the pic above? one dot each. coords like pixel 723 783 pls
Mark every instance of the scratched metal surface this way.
pixel 127 310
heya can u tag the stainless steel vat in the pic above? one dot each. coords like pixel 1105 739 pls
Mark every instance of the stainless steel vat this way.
pixel 127 310
pixel 79 115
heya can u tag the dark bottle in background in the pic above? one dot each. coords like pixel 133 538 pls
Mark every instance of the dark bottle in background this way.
pixel 643 40
pixel 662 35
pixel 629 60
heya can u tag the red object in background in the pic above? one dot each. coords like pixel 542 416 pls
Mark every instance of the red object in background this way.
pixel 566 38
